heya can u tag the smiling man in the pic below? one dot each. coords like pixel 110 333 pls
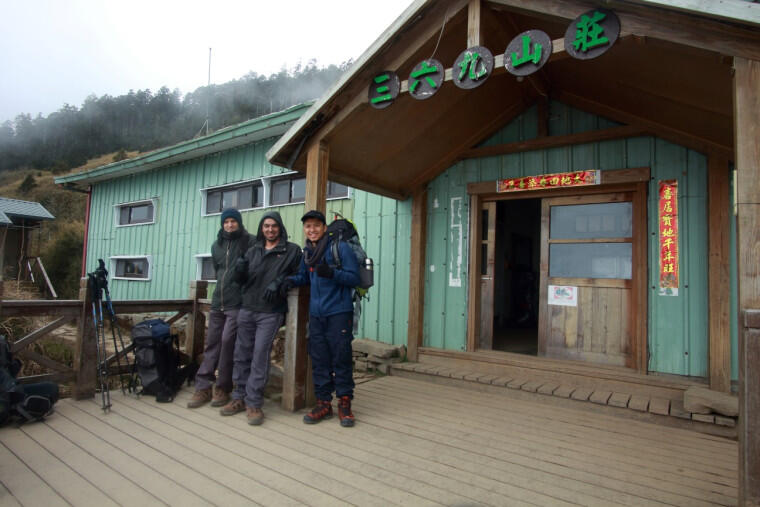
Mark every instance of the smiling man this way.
pixel 261 272
pixel 330 318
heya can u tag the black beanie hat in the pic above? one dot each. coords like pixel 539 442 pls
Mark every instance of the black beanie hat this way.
pixel 232 213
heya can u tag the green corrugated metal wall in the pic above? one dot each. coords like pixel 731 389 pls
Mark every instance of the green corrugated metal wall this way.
pixel 678 326
pixel 180 232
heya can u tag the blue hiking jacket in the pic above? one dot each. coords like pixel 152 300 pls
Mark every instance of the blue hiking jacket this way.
pixel 330 296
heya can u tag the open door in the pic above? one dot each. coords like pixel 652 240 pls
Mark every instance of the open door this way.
pixel 487 252
pixel 586 289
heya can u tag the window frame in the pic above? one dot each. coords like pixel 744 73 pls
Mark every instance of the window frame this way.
pixel 230 186
pixel 114 259
pixel 199 258
pixel 153 201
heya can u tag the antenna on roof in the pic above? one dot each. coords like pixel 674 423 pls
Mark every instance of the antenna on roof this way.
pixel 208 96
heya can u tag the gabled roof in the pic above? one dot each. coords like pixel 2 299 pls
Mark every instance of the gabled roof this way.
pixel 262 127
pixel 670 74
pixel 14 208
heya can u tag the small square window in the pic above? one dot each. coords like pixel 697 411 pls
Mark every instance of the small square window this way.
pixel 298 192
pixel 207 269
pixel 136 214
pixel 132 268
pixel 230 199
pixel 213 202
pixel 280 192
pixel 336 190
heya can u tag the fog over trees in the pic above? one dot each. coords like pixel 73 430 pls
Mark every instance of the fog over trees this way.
pixel 144 120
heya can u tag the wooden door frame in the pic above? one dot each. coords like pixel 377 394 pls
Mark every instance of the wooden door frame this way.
pixel 487 295
pixel 622 180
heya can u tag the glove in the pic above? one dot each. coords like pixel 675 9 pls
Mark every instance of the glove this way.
pixel 271 292
pixel 285 286
pixel 325 271
pixel 241 266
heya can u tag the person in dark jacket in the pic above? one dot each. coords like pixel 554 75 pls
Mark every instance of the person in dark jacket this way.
pixel 261 272
pixel 232 241
pixel 330 318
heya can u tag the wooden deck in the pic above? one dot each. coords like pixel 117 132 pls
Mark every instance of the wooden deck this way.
pixel 415 443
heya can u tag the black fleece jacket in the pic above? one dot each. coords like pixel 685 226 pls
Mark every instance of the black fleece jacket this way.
pixel 268 268
pixel 224 253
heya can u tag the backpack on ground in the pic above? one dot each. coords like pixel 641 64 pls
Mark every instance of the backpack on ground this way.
pixel 22 403
pixel 342 229
pixel 157 360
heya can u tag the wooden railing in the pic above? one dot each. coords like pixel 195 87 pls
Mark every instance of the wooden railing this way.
pixel 34 270
pixel 297 390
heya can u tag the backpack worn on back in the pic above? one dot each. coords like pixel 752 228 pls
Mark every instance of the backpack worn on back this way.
pixel 342 229
pixel 157 359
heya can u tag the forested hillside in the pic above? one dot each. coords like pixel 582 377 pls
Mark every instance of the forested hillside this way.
pixel 143 120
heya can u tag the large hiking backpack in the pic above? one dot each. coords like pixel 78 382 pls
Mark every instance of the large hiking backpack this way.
pixel 157 359
pixel 22 403
pixel 342 229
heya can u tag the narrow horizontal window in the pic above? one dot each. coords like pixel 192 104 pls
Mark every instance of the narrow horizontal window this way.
pixel 246 196
pixel 336 190
pixel 138 213
pixel 136 267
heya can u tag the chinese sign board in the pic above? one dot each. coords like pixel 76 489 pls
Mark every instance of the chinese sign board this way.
pixel 547 181
pixel 668 225
pixel 589 36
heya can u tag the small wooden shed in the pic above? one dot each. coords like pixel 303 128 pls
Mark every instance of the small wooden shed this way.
pixel 609 178
pixel 17 221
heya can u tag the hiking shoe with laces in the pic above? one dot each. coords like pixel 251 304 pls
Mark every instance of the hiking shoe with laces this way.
pixel 323 410
pixel 200 398
pixel 344 412
pixel 220 399
pixel 233 407
pixel 255 416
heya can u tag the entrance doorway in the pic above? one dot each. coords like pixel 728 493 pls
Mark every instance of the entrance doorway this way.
pixel 516 276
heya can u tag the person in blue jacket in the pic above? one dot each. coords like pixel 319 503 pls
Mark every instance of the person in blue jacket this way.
pixel 330 318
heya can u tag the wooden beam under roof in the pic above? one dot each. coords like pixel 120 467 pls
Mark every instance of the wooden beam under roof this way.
pixel 687 29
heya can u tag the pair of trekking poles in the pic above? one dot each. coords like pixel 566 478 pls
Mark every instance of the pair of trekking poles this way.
pixel 98 283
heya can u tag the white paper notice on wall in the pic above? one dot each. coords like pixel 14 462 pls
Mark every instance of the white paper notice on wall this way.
pixel 563 295
pixel 457 246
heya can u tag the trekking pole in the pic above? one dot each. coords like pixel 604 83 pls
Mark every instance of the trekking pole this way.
pixel 100 349
pixel 119 348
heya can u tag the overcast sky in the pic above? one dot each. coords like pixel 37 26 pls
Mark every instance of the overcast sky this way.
pixel 60 51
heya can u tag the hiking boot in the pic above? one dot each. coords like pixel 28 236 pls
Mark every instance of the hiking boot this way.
pixel 200 398
pixel 323 410
pixel 255 416
pixel 220 399
pixel 233 407
pixel 344 412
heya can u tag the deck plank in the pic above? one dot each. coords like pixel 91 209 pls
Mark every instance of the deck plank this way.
pixel 71 486
pixel 6 498
pixel 25 486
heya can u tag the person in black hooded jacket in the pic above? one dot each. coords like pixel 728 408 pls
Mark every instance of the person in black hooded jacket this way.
pixel 261 272
pixel 232 242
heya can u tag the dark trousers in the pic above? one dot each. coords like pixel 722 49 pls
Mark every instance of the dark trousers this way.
pixel 218 352
pixel 330 352
pixel 256 332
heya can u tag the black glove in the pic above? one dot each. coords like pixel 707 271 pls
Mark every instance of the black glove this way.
pixel 285 286
pixel 241 266
pixel 271 292
pixel 325 271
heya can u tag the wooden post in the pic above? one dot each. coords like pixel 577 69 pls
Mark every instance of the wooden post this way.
pixel 317 162
pixel 85 353
pixel 195 332
pixel 417 274
pixel 474 37
pixel 746 114
pixel 718 269
pixel 295 374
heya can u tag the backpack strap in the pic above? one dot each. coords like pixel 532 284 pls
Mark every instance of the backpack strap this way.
pixel 335 252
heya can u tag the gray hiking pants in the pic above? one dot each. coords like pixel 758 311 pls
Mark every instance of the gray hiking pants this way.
pixel 218 352
pixel 256 332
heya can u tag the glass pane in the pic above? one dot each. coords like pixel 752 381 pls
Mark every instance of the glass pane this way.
pixel 299 190
pixel 132 268
pixel 258 196
pixel 230 199
pixel 336 190
pixel 140 214
pixel 119 267
pixel 590 260
pixel 245 197
pixel 280 192
pixel 484 224
pixel 483 259
pixel 587 221
pixel 207 269
pixel 213 202
pixel 124 215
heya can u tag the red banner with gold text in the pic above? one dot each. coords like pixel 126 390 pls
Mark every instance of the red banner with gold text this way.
pixel 668 224
pixel 544 181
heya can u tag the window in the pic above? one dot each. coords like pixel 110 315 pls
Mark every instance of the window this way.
pixel 131 268
pixel 591 240
pixel 285 191
pixel 336 190
pixel 135 213
pixel 205 270
pixel 246 196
